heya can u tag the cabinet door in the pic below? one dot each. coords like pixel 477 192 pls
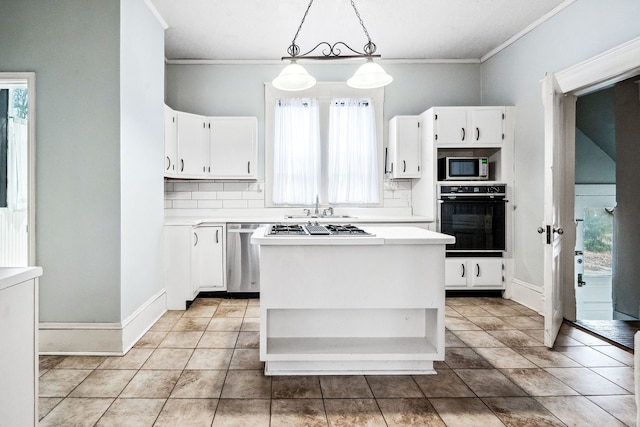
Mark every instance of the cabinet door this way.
pixel 192 145
pixel 455 273
pixel 486 126
pixel 450 126
pixel 206 259
pixel 233 147
pixel 170 148
pixel 404 145
pixel 485 272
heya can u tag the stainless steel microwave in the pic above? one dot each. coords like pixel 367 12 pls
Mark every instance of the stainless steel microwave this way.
pixel 463 168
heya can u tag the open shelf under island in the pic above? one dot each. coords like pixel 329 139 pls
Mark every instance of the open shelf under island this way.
pixel 352 305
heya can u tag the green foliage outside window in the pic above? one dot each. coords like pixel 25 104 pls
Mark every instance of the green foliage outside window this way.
pixel 598 230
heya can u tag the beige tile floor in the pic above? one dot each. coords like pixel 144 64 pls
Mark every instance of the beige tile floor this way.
pixel 201 367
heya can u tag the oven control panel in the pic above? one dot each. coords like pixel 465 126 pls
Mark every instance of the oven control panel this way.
pixel 473 190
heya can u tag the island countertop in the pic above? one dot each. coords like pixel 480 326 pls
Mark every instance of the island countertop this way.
pixel 10 276
pixel 403 235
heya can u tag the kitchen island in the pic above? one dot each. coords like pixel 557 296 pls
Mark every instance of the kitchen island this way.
pixel 19 364
pixel 371 304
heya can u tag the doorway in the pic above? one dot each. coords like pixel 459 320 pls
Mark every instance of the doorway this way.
pixel 605 285
pixel 17 136
pixel 604 70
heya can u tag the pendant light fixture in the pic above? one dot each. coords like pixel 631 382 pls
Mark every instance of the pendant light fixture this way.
pixel 369 76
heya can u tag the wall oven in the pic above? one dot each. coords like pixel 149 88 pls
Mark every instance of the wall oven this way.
pixel 476 215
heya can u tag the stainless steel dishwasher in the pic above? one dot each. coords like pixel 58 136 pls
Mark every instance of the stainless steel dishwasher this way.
pixel 243 259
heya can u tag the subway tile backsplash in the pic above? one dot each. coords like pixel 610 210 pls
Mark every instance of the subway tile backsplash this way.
pixel 182 194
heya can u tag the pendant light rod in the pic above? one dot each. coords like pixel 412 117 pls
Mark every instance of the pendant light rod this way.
pixel 332 51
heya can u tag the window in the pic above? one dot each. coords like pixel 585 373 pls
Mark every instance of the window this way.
pixel 13 146
pixel 352 157
pixel 325 141
pixel 296 160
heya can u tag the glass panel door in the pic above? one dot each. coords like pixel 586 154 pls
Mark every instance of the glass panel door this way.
pixel 594 257
pixel 14 185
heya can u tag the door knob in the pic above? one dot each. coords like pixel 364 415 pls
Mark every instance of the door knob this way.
pixel 558 230
pixel 540 230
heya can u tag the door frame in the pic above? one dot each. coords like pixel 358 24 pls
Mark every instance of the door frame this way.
pixel 30 79
pixel 607 68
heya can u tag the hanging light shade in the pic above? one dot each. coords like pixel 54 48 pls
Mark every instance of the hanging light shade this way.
pixel 293 77
pixel 369 76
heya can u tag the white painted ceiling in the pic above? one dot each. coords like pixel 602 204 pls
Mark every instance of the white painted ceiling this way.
pixel 229 30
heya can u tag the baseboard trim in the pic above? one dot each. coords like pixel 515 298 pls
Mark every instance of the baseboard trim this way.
pixel 138 323
pixel 101 339
pixel 527 294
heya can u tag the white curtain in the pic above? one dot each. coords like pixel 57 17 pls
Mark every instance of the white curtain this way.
pixel 352 152
pixel 17 164
pixel 296 152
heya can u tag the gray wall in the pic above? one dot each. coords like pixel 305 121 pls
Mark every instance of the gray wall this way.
pixel 219 90
pixel 584 29
pixel 77 149
pixel 87 148
pixel 141 151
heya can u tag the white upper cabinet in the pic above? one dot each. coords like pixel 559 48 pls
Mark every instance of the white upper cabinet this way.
pixel 487 125
pixel 199 147
pixel 469 126
pixel 450 126
pixel 404 147
pixel 170 148
pixel 192 144
pixel 233 147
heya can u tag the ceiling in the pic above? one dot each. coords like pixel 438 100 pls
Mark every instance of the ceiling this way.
pixel 261 30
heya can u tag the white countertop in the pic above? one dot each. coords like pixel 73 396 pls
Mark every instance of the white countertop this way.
pixel 380 236
pixel 279 218
pixel 11 276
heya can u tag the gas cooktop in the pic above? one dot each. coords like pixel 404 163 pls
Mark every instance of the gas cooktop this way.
pixel 315 229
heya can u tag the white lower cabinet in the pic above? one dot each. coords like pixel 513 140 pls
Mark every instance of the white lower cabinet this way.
pixel 473 273
pixel 194 260
pixel 207 266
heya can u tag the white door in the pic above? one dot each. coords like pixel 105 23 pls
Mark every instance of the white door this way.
pixel 486 272
pixel 233 147
pixel 192 140
pixel 206 259
pixel 451 126
pixel 17 169
pixel 558 226
pixel 455 273
pixel 487 126
pixel 170 147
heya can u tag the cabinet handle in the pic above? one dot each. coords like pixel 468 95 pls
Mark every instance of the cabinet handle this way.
pixel 404 166
pixel 196 236
pixel 477 270
pixel 477 134
pixel 181 165
pixel 464 134
pixel 462 265
pixel 249 168
pixel 217 232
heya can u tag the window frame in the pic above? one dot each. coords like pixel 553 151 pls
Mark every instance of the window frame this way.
pixel 324 92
